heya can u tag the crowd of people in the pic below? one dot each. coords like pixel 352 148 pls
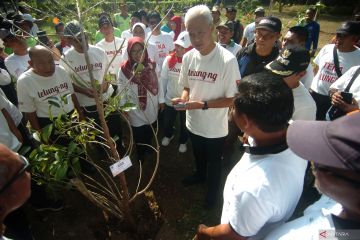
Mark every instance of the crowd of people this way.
pixel 224 81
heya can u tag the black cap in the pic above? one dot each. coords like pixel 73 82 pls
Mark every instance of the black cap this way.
pixel 270 23
pixel 228 24
pixel 291 59
pixel 349 28
pixel 104 20
pixel 5 33
pixel 231 9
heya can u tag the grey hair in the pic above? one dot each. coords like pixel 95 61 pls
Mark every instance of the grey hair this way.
pixel 198 11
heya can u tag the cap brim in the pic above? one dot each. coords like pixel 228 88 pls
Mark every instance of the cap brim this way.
pixel 279 69
pixel 308 140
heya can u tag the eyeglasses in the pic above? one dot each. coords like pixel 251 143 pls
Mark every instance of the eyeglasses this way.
pixel 318 167
pixel 19 173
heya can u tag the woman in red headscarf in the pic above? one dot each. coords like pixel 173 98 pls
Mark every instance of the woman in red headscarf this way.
pixel 176 26
pixel 138 84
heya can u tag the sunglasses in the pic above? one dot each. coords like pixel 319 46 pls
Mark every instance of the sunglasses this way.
pixel 322 168
pixel 19 173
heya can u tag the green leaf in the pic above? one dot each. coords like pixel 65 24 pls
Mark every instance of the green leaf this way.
pixel 61 171
pixel 139 68
pixel 53 103
pixel 46 133
pixel 128 106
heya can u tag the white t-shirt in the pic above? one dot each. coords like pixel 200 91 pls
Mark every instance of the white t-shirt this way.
pixel 327 74
pixel 209 77
pixel 10 108
pixel 344 80
pixel 316 217
pixel 16 64
pixel 307 79
pixel 249 32
pixel 234 48
pixel 127 34
pixel 129 92
pixel 304 104
pixel 99 61
pixel 169 82
pixel 35 91
pixel 164 45
pixel 262 191
pixel 5 78
pixel 6 136
pixel 115 48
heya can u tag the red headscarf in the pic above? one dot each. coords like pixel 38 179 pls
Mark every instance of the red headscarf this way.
pixel 146 79
pixel 178 21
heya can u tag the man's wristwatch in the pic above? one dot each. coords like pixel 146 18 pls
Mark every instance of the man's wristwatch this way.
pixel 205 106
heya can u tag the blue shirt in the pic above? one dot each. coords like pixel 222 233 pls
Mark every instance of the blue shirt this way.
pixel 313 35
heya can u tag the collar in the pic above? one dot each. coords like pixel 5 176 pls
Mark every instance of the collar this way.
pixel 263 150
pixel 231 44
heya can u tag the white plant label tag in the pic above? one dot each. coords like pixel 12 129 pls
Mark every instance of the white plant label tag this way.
pixel 120 166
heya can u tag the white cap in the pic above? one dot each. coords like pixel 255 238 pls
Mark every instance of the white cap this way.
pixel 183 40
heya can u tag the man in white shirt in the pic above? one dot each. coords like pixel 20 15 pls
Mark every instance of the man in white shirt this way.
pixel 333 147
pixel 163 41
pixel 264 187
pixel 291 65
pixel 114 47
pixel 17 62
pixel 225 31
pixel 41 81
pixel 209 75
pixel 78 70
pixel 249 31
pixel 340 85
pixel 325 70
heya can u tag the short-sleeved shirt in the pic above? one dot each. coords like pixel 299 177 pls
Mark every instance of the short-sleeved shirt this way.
pixel 262 191
pixel 76 60
pixel 16 64
pixel 115 48
pixel 326 74
pixel 209 77
pixel 249 32
pixel 164 45
pixel 35 92
pixel 10 108
pixel 344 80
pixel 122 23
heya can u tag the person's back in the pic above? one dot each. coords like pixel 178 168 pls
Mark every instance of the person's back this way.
pixel 263 188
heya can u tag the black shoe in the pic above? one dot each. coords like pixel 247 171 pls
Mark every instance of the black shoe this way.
pixel 192 180
pixel 48 204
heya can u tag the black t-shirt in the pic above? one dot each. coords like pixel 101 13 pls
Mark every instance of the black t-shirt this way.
pixel 249 62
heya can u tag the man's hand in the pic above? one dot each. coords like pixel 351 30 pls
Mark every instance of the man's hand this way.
pixel 338 102
pixel 200 233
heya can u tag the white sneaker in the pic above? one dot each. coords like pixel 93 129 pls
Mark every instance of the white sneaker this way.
pixel 182 148
pixel 166 141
